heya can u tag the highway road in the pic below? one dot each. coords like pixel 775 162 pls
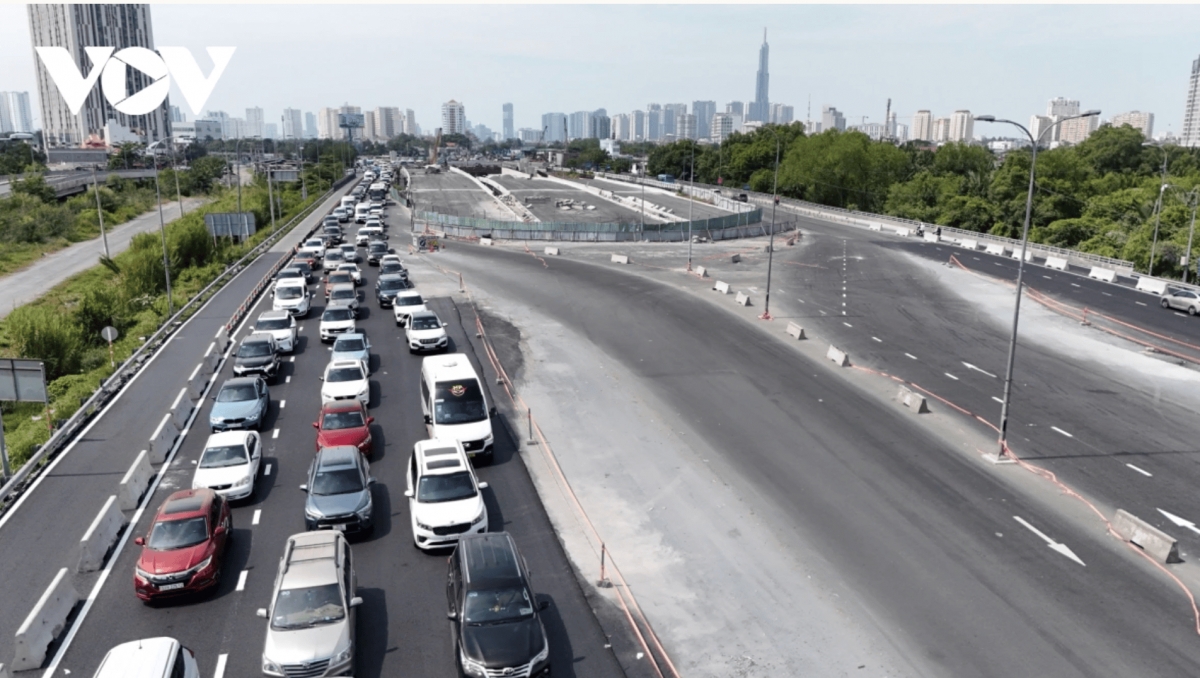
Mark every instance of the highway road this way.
pixel 453 193
pixel 699 209
pixel 605 213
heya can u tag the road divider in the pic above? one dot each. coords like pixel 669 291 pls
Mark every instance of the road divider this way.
pixel 100 536
pixel 904 232
pixel 737 259
pixel 701 272
pixel 932 237
pixel 876 227
pixel 838 356
pixel 968 244
pixel 212 357
pixel 722 287
pixel 45 621
pixel 620 258
pixel 795 330
pixel 998 250
pixel 742 298
pixel 486 241
pixel 181 409
pixel 164 436
pixel 1149 538
pixel 913 400
pixel 196 383
pixel 552 251
pixel 3 671
pixel 1028 254
pixel 1056 263
pixel 1105 274
pixel 1151 285
pixel 222 339
pixel 135 481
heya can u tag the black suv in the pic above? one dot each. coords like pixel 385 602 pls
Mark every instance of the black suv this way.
pixel 497 628
pixel 375 251
pixel 257 354
pixel 386 288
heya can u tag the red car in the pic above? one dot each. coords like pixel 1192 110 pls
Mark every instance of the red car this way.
pixel 185 547
pixel 337 279
pixel 344 422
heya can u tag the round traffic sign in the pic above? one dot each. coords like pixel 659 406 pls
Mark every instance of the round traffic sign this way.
pixel 109 334
pixel 421 242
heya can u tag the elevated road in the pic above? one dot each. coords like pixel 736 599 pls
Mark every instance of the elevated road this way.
pixel 546 193
pixel 70 182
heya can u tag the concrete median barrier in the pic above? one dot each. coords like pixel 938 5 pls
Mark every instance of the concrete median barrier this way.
pixel 45 621
pixel 737 259
pixel 998 250
pixel 701 271
pixel 913 400
pixel 552 251
pixel 968 244
pixel 838 356
pixel 1151 539
pixel 212 358
pixel 620 258
pixel 3 671
pixel 722 287
pixel 742 299
pixel 196 383
pixel 875 227
pixel 795 330
pixel 162 440
pixel 932 237
pixel 134 483
pixel 1105 274
pixel 1151 285
pixel 221 340
pixel 1016 254
pixel 100 536
pixel 1057 263
pixel 485 241
pixel 181 409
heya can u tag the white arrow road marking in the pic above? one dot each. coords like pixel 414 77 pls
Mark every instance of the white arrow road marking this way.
pixel 969 366
pixel 1061 548
pixel 1180 521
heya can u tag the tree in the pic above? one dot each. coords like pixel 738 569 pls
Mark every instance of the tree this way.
pixel 36 186
pixel 15 157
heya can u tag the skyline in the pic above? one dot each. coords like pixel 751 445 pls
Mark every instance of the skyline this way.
pixel 851 57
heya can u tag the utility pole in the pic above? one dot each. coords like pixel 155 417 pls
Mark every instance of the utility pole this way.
pixel 99 211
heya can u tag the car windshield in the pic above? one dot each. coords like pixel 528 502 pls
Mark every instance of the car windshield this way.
pixel 426 323
pixel 342 294
pixel 337 481
pixel 290 273
pixel 448 487
pixel 337 314
pixel 315 242
pixel 413 300
pixel 392 285
pixel 458 402
pixel 177 534
pixel 347 268
pixel 333 255
pixel 254 349
pixel 348 344
pixel 336 421
pixel 339 279
pixel 220 457
pixel 378 247
pixel 391 267
pixel 306 607
pixel 496 606
pixel 273 324
pixel 339 374
pixel 289 292
pixel 236 393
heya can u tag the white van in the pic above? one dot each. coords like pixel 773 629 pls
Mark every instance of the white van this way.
pixel 348 202
pixel 291 295
pixel 455 405
pixel 361 212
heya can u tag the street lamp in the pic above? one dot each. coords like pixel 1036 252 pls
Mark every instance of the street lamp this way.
pixel 1012 343
pixel 691 202
pixel 1162 188
pixel 162 229
pixel 766 314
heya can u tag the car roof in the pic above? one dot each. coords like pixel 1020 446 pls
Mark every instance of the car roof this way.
pixel 342 287
pixel 424 314
pixel 274 315
pixel 351 335
pixel 490 560
pixel 145 658
pixel 310 559
pixel 257 337
pixel 409 293
pixel 440 457
pixel 391 276
pixel 339 456
pixel 351 405
pixel 338 306
pixel 186 504
pixel 448 366
pixel 335 364
pixel 240 381
pixel 292 282
pixel 227 438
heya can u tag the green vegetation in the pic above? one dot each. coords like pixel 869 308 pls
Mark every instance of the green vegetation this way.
pixel 15 158
pixel 1096 197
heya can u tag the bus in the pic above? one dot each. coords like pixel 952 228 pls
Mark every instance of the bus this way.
pixel 377 192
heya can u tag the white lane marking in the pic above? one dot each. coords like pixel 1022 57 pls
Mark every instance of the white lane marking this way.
pixel 1062 431
pixel 1181 315
pixel 1061 548
pixel 969 366
pixel 267 470
pixel 800 300
pixel 822 312
pixel 1047 277
pixel 287 379
pixel 996 263
pixel 222 659
pixel 241 585
pixel 847 324
pixel 877 339
pixel 911 356
pixel 1074 285
pixel 1141 471
pixel 1106 294
pixel 1139 303
pixel 950 375
pixel 998 400
pixel 274 434
pixel 300 328
pixel 1182 522
pixel 257 517
pixel 282 404
pixel 975 258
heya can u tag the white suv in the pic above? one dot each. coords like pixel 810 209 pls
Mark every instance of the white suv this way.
pixel 405 304
pixel 444 497
pixel 345 380
pixel 425 332
pixel 149 657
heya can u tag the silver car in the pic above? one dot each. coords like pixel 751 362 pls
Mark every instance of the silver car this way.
pixel 1181 300
pixel 339 491
pixel 344 295
pixel 352 346
pixel 310 631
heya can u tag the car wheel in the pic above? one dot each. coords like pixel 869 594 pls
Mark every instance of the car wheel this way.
pixel 1191 310
pixel 1165 304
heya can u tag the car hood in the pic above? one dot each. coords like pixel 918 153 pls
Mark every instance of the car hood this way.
pixel 297 646
pixel 254 362
pixel 476 430
pixel 333 505
pixel 448 512
pixel 281 336
pixel 337 324
pixel 177 560
pixel 428 334
pixel 360 356
pixel 344 436
pixel 342 388
pixel 235 410
pixel 289 303
pixel 409 310
pixel 228 475
pixel 510 644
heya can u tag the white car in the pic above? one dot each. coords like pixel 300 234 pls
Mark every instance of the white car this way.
pixel 280 325
pixel 345 379
pixel 366 234
pixel 149 657
pixel 333 258
pixel 444 498
pixel 425 332
pixel 336 320
pixel 313 247
pixel 291 295
pixel 353 269
pixel 405 304
pixel 229 464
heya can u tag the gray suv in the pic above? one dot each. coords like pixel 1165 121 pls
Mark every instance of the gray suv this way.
pixel 339 491
pixel 311 629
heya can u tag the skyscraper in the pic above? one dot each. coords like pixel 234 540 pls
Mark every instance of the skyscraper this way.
pixel 410 122
pixel 1061 108
pixel 654 125
pixel 704 111
pixel 554 127
pixel 962 127
pixel 1191 112
pixel 291 124
pixel 15 115
pixel 922 126
pixel 6 117
pixel 254 122
pixel 579 125
pixel 454 118
pixel 1038 124
pixel 832 118
pixel 685 126
pixel 760 107
pixel 1137 120
pixel 735 108
pixel 598 126
pixel 176 114
pixel 508 122
pixel 637 126
pixel 671 113
pixel 74 27
pixel 310 126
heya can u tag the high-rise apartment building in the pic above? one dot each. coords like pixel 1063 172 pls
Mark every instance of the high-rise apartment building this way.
pixel 723 125
pixel 554 127
pixel 599 127
pixel 704 111
pixel 370 128
pixel 310 126
pixel 292 128
pixel 6 116
pixel 389 122
pixel 454 118
pixel 20 116
pixel 832 118
pixel 528 135
pixel 1191 112
pixel 508 122
pixel 579 125
pixel 270 130
pixel 1075 130
pixel 620 127
pixel 736 108
pixel 781 114
pixel 1061 108
pixel 254 122
pixel 637 126
pixel 327 124
pixel 1039 126
pixel 922 126
pixel 941 130
pixel 1137 120
pixel 410 123
pixel 176 114
pixel 654 125
pixel 760 107
pixel 670 119
pixel 685 126
pixel 962 127
pixel 74 27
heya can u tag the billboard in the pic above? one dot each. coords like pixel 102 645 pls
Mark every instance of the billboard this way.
pixel 351 120
pixel 239 224
pixel 23 381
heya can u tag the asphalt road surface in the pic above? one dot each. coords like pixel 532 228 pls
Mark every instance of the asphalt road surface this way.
pixel 605 213
pixel 452 193
pixel 699 209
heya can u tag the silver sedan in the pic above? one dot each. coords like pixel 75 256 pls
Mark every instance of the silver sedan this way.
pixel 1181 300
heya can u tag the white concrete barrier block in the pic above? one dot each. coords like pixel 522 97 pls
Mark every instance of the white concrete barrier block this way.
pixel 212 358
pixel 998 250
pixel 1151 539
pixel 620 258
pixel 742 299
pixel 932 237
pixel 737 259
pixel 795 330
pixel 702 272
pixel 133 485
pixel 1056 263
pixel 968 244
pixel 1105 274
pixel 1016 254
pixel 913 400
pixel 552 251
pixel 1152 285
pixel 3 671
pixel 100 536
pixel 195 386
pixel 906 232
pixel 722 287
pixel 838 356
pixel 181 409
pixel 876 227
pixel 162 440
pixel 221 340
pixel 45 621
pixel 485 241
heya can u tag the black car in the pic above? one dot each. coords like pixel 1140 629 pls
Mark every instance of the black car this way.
pixel 258 354
pixel 376 249
pixel 389 267
pixel 303 267
pixel 332 235
pixel 329 220
pixel 497 628
pixel 386 288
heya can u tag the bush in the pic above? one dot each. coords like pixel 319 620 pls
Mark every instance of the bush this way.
pixel 47 334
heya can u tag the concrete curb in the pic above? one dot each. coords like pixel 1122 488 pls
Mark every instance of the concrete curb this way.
pixel 998 250
pixel 100 536
pixel 133 485
pixel 181 409
pixel 1151 539
pixel 45 621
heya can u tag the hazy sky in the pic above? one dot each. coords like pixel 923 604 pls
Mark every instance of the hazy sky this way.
pixel 1003 60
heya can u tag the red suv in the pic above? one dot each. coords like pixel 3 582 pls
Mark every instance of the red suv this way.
pixel 344 422
pixel 185 547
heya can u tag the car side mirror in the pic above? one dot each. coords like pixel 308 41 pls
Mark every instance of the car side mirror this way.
pixel 316 425
pixel 355 601
pixel 543 605
pixel 445 324
pixel 304 488
pixel 220 530
pixel 370 420
pixel 140 541
pixel 428 420
pixel 261 612
pixel 370 480
pixel 483 485
pixel 491 411
pixel 408 493
pixel 451 614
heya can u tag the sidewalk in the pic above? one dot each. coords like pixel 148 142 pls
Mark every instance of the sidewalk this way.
pixel 31 282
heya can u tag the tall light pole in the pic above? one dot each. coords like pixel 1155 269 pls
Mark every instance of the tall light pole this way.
pixel 766 314
pixel 162 229
pixel 100 212
pixel 1162 188
pixel 237 158
pixel 691 202
pixel 1012 342
pixel 1194 199
pixel 175 171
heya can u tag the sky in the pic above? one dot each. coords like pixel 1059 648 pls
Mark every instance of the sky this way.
pixel 1005 60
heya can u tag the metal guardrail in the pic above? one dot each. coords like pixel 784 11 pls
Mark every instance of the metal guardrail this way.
pixel 131 365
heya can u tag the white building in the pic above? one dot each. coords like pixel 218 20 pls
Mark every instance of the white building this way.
pixel 116 134
pixel 831 118
pixel 507 124
pixel 1060 107
pixel 370 128
pixel 620 127
pixel 327 123
pixel 310 126
pixel 454 118
pixel 922 126
pixel 254 123
pixel 941 130
pixel 723 125
pixel 292 127
pixel 1191 112
pixel 1074 131
pixel 529 135
pixel 1038 126
pixel 1137 120
pixel 685 126
pixel 781 114
pixel 962 127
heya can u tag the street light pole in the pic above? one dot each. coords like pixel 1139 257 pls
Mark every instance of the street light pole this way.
pixel 766 314
pixel 1162 188
pixel 691 203
pixel 237 158
pixel 1012 343
pixel 175 171
pixel 100 212
pixel 1194 198
pixel 162 229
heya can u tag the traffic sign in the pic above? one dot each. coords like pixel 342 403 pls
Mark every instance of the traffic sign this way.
pixel 109 334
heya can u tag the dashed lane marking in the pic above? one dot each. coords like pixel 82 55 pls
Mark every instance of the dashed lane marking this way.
pixel 950 375
pixel 1062 431
pixel 998 400
pixel 257 517
pixel 221 661
pixel 274 434
pixel 911 356
pixel 267 470
pixel 1074 285
pixel 1047 277
pixel 287 379
pixel 847 324
pixel 877 339
pixel 1106 294
pixel 1139 303
pixel 1141 471
pixel 241 585
pixel 282 404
